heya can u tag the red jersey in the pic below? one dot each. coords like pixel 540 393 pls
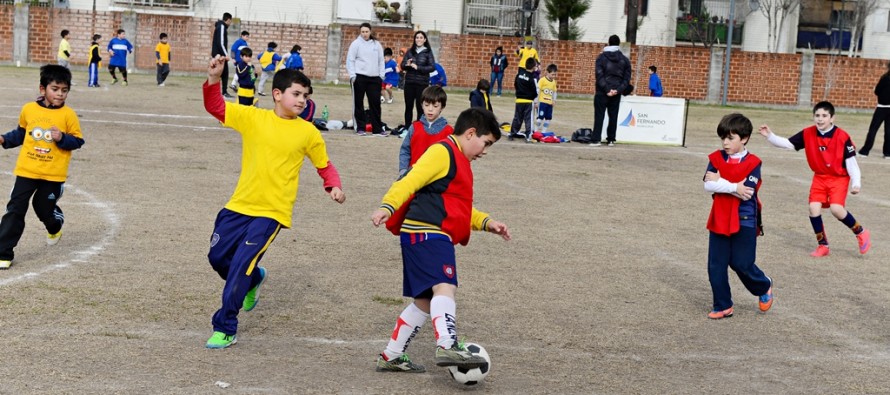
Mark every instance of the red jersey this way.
pixel 724 217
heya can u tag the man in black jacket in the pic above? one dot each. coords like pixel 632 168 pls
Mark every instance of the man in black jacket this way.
pixel 220 46
pixel 612 79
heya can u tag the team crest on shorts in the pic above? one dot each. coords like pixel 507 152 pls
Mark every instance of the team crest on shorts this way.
pixel 448 270
pixel 214 239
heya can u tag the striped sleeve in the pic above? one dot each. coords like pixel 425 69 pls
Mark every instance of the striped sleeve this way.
pixel 479 220
pixel 431 166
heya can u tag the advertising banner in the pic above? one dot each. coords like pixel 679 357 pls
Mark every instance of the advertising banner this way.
pixel 651 120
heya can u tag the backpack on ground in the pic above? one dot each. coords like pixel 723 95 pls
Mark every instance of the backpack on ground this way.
pixel 583 135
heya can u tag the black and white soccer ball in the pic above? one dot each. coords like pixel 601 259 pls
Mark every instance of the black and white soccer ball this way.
pixel 472 376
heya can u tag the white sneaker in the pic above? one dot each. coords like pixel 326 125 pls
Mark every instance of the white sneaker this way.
pixel 389 101
pixel 5 264
pixel 161 84
pixel 611 144
pixel 53 239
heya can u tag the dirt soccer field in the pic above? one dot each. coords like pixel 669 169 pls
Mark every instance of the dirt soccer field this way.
pixel 603 290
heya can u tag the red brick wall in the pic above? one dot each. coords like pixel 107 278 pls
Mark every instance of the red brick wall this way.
pixel 312 38
pixel 758 77
pixel 7 20
pixel 683 70
pixel 853 80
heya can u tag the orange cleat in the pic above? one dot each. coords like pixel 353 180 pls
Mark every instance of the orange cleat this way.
pixel 864 241
pixel 766 300
pixel 718 314
pixel 820 251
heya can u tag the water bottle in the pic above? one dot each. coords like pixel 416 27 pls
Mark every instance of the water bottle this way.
pixel 324 113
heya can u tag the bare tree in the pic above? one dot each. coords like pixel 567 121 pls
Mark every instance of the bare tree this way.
pixel 862 9
pixel 775 12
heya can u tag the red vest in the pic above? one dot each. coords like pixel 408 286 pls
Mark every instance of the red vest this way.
pixel 724 217
pixel 421 140
pixel 446 202
pixel 826 155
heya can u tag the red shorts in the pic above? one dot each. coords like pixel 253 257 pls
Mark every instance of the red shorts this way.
pixel 385 85
pixel 828 190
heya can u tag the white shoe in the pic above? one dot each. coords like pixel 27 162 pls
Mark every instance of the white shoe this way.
pixel 161 84
pixel 53 239
pixel 5 264
pixel 389 101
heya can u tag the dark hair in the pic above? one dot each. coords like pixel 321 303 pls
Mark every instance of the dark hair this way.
pixel 227 16
pixel 65 33
pixel 272 44
pixel 499 49
pixel 653 68
pixel 162 36
pixel 284 78
pixel 245 33
pixel 824 105
pixel 426 41
pixel 530 63
pixel 368 25
pixel 529 42
pixel 483 85
pixel 96 37
pixel 296 48
pixel 54 73
pixel 734 123
pixel 480 119
pixel 434 94
pixel 387 51
pixel 614 40
pixel 551 68
pixel 119 31
pixel 246 52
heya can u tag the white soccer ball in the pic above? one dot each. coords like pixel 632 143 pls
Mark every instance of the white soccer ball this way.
pixel 472 376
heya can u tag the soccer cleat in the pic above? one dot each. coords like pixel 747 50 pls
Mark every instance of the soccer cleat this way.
pixel 261 93
pixel 820 251
pixel 611 144
pixel 459 356
pixel 114 81
pixel 766 300
pixel 864 239
pixel 719 314
pixel 253 296
pixel 4 264
pixel 125 83
pixel 53 238
pixel 389 101
pixel 595 144
pixel 161 84
pixel 400 364
pixel 221 340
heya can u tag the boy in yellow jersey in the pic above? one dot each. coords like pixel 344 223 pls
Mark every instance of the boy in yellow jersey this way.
pixel 64 55
pixel 529 52
pixel 440 215
pixel 546 98
pixel 47 131
pixel 162 55
pixel 274 144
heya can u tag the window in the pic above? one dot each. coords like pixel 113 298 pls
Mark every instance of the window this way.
pixel 643 5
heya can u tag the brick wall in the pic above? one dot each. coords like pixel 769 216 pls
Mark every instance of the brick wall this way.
pixel 758 77
pixel 312 38
pixel 7 20
pixel 852 80
pixel 683 70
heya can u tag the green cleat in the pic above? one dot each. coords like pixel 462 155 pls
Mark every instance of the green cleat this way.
pixel 253 296
pixel 459 356
pixel 400 364
pixel 5 264
pixel 221 340
pixel 53 238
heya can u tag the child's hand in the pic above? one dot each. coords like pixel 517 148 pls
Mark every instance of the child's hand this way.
pixel 56 133
pixel 215 69
pixel 2 140
pixel 712 176
pixel 855 190
pixel 764 131
pixel 499 228
pixel 379 216
pixel 338 195
pixel 745 192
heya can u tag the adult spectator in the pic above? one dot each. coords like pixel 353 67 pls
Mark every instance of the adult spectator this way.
pixel 881 115
pixel 612 79
pixel 498 64
pixel 364 63
pixel 220 46
pixel 418 63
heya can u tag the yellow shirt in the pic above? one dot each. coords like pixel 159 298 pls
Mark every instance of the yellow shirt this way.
pixel 272 154
pixel 164 51
pixel 526 53
pixel 64 45
pixel 39 157
pixel 546 90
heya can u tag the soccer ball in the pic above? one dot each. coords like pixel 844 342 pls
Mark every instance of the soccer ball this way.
pixel 472 376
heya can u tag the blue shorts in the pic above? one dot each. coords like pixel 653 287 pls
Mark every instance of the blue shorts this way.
pixel 427 260
pixel 545 111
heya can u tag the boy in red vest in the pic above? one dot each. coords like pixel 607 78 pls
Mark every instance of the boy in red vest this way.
pixel 832 157
pixel 733 177
pixel 427 130
pixel 440 215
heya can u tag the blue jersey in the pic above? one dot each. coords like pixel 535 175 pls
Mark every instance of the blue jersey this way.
pixel 294 61
pixel 392 76
pixel 438 77
pixel 235 53
pixel 121 48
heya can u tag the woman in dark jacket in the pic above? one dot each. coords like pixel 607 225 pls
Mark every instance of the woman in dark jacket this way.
pixel 881 115
pixel 418 63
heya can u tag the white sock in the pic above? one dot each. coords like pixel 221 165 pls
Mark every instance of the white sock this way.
pixel 409 323
pixel 442 309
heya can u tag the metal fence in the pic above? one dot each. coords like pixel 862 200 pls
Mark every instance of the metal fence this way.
pixel 505 17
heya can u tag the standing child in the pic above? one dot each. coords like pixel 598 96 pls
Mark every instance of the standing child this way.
pixel 275 143
pixel 235 52
pixel 162 53
pixel 118 48
pixel 95 62
pixel 526 93
pixel 655 88
pixel 295 61
pixel 546 98
pixel 391 79
pixel 269 63
pixel 47 131
pixel 246 77
pixel 529 52
pixel 430 128
pixel 64 55
pixel 832 157
pixel 480 96
pixel 440 216
pixel 498 64
pixel 733 177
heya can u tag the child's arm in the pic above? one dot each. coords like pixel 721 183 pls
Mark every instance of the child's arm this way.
pixel 855 174
pixel 483 221
pixel 715 184
pixel 13 138
pixel 773 139
pixel 213 100
pixel 431 166
pixel 405 151
pixel 64 140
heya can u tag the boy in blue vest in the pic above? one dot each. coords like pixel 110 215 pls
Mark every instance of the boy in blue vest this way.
pixel 118 48
pixel 235 53
pixel 440 215
pixel 268 63
pixel 391 79
pixel 246 77
pixel 733 177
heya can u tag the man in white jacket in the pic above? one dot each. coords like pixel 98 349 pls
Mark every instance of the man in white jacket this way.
pixel 364 63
